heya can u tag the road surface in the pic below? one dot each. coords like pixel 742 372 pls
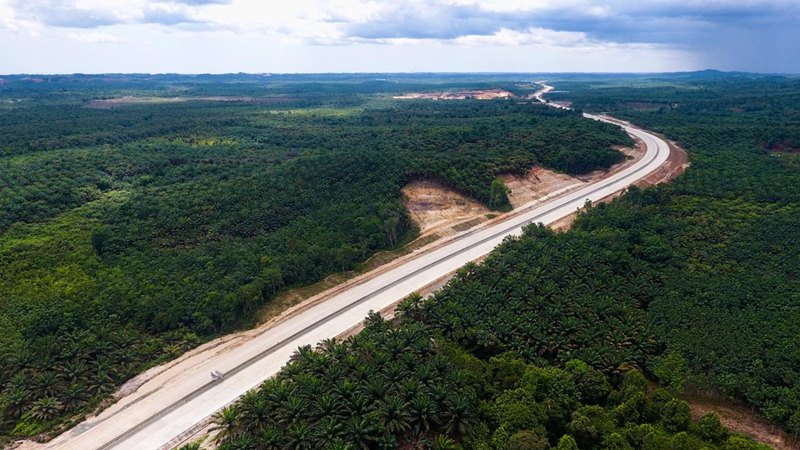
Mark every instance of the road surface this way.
pixel 154 421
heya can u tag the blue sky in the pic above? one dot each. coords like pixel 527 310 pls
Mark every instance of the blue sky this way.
pixel 217 36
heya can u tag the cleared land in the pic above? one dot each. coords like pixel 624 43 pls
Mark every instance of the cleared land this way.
pixel 480 94
pixel 133 100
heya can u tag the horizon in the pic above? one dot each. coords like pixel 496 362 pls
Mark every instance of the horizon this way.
pixel 723 72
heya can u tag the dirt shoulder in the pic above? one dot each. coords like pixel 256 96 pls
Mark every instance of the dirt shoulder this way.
pixel 675 166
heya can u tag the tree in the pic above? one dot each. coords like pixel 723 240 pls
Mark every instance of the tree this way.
pixel 394 414
pixel 443 442
pixel 99 240
pixel 710 428
pixel 566 443
pixel 226 423
pixel 794 425
pixel 590 425
pixel 45 408
pixel 592 384
pixel 497 193
pixel 528 440
pixel 361 431
pixel 676 415
pixel 615 441
pixel 672 371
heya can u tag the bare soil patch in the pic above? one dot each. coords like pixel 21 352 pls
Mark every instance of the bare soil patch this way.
pixel 537 183
pixel 435 207
pixel 478 94
pixel 675 166
pixel 632 154
pixel 644 106
pixel 134 100
pixel 740 419
pixel 780 148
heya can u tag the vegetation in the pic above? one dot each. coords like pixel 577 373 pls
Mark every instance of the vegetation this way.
pixel 405 386
pixel 729 302
pixel 693 284
pixel 177 231
pixel 132 232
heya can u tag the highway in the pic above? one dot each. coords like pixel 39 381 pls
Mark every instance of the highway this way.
pixel 154 421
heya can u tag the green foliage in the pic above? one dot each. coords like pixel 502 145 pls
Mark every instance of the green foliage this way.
pixel 693 281
pixel 672 371
pixel 590 425
pixel 728 305
pixel 131 232
pixel 710 428
pixel 676 415
pixel 592 385
pixel 404 383
pixel 566 442
pixel 169 233
pixel 527 440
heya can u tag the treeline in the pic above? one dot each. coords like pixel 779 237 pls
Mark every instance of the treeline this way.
pixel 132 234
pixel 733 221
pixel 403 385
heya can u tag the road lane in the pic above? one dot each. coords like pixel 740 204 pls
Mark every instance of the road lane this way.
pixel 155 420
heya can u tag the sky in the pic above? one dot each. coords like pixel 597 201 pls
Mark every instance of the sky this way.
pixel 317 36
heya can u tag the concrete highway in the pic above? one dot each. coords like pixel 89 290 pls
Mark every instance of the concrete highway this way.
pixel 154 421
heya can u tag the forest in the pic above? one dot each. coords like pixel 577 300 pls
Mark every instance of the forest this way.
pixel 133 231
pixel 590 338
pixel 404 385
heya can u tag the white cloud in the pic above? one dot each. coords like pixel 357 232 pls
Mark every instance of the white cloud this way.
pixel 94 37
pixel 327 28
pixel 531 36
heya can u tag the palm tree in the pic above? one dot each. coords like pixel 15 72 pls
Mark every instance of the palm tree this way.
pixel 47 383
pixel 358 405
pixel 423 413
pixel 301 436
pixel 394 415
pixel 16 401
pixel 327 405
pixel 293 409
pixel 443 442
pixel 190 446
pixel 73 396
pixel 459 417
pixel 46 408
pixel 376 388
pixel 241 442
pixel 361 431
pixel 410 306
pixel 329 428
pixel 338 444
pixel 254 411
pixel 73 370
pixel 226 423
pixel 271 438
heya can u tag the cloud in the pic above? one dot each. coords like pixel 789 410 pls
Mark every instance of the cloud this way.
pixel 96 13
pixel 94 37
pixel 716 29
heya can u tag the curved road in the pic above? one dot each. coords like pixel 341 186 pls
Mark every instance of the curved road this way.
pixel 154 421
